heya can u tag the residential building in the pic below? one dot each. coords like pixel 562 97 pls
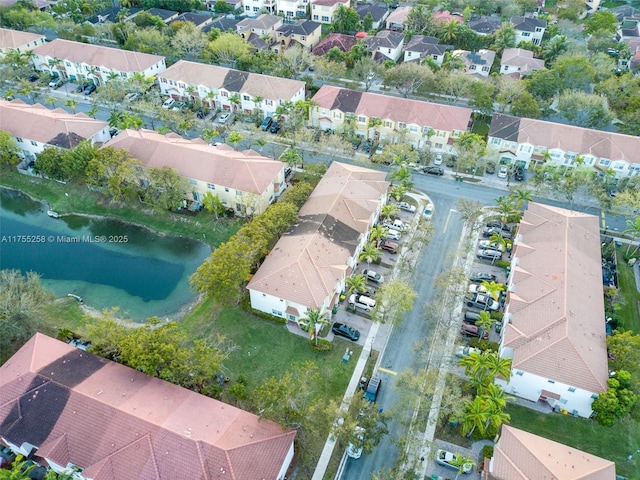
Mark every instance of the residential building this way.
pixel 421 47
pixel 386 45
pixel 236 5
pixel 264 26
pixel 529 29
pixel 166 15
pixel 82 414
pixel 389 119
pixel 200 20
pixel 476 63
pixel 397 20
pixel 80 62
pixel 293 8
pixel 444 16
pixel 246 182
pixel 518 62
pixel 17 41
pixel 114 14
pixel 323 10
pixel 484 25
pixel 308 266
pixel 224 24
pixel 525 140
pixel 302 32
pixel 254 7
pixel 339 40
pixel 520 455
pixel 553 326
pixel 379 14
pixel 226 89
pixel 36 127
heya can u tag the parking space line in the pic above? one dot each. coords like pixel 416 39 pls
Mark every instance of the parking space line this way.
pixel 385 370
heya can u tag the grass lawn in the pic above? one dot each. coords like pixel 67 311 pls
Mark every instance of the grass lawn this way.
pixel 629 313
pixel 76 198
pixel 481 125
pixel 613 443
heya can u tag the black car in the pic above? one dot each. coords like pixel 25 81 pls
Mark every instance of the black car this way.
pixel 345 331
pixel 490 168
pixel 80 88
pixel 488 232
pixel 494 224
pixel 275 127
pixel 33 77
pixel 433 170
pixel 519 174
pixel 483 277
pixel 89 89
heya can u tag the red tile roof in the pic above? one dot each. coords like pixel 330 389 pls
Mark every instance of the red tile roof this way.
pixel 557 326
pixel 118 424
pixel 520 455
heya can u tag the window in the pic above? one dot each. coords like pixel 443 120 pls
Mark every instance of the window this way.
pixel 226 189
pixel 211 186
pixel 193 182
pixel 268 102
pixel 239 193
pixel 292 318
pixel 362 119
pixel 413 129
pixel 18 139
pixel 526 34
pixel 325 19
pixel 247 8
pixel 538 29
pixel 402 125
pixel 604 162
pixel 34 143
pixel 485 69
pixel 224 94
pixel 551 381
pixel 572 389
pixel 496 141
pixel 304 37
pixel 388 124
pixel 276 312
pixel 408 54
pixel 246 97
pixel 256 9
pixel 389 51
pixel 315 17
pixel 563 401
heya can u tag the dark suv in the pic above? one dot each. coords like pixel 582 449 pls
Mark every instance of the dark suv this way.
pixel 519 174
pixel 373 388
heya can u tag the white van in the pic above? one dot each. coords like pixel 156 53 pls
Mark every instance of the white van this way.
pixel 397 224
pixel 361 301
pixel 393 235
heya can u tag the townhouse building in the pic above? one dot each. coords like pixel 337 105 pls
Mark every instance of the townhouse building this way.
pixel 524 141
pixel 226 89
pixel 82 62
pixel 323 11
pixel 17 41
pixel 389 119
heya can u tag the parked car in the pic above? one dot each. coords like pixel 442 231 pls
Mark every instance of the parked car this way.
pixel 373 389
pixel 474 331
pixel 389 246
pixel 168 103
pixel 471 317
pixel 225 118
pixel 488 254
pixel 477 288
pixel 490 168
pixel 438 159
pixel 180 106
pixel 392 234
pixel 449 459
pixel 346 331
pixel 494 224
pixel 275 127
pixel 464 351
pixel 362 302
pixel 266 123
pixel 428 211
pixel 32 77
pixel 433 170
pixel 480 277
pixel 482 301
pixel 407 207
pixel 56 83
pixel 503 172
pixel 89 89
pixel 519 174
pixel 133 96
pixel 373 276
pixel 396 224
pixel 355 451
pixel 379 149
pixel 451 162
pixel 487 232
pixel 489 245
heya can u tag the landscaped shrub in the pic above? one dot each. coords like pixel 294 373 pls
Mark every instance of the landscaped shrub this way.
pixel 502 264
pixel 484 345
pixel 487 451
pixel 497 316
pixel 322 346
pixel 489 433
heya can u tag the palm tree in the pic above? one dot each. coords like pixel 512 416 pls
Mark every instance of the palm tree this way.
pixel 498 366
pixel 51 101
pixel 402 175
pixel 71 103
pixel 261 142
pixel 634 231
pixel 398 191
pixel 235 138
pixel 493 288
pixel 506 208
pixel 389 210
pixel 355 283
pixel 474 364
pixel 93 111
pixel 449 32
pixel 291 156
pixel 235 101
pixel 315 318
pixel 485 321
pixel 19 469
pixel 461 462
pixel 370 253
pixel 475 416
pixel 378 232
pixel 520 195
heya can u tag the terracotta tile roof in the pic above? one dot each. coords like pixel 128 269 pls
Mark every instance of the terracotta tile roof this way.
pixel 399 15
pixel 309 260
pixel 444 16
pixel 340 40
pixel 52 127
pixel 520 455
pixel 600 144
pixel 15 38
pixel 557 327
pixel 519 57
pixel 111 58
pixel 118 424
pixel 246 171
pixel 212 76
pixel 411 112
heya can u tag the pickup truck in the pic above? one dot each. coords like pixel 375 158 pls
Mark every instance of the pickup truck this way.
pixel 373 276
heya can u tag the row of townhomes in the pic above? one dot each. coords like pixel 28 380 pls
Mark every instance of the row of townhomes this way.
pixel 245 182
pixel 17 41
pixel 554 320
pixel 526 141
pixel 74 411
pixel 308 266
pixel 389 119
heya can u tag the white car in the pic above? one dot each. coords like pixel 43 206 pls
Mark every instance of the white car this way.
pixel 503 172
pixel 395 225
pixel 489 245
pixel 483 302
pixel 168 103
pixel 407 207
pixel 392 234
pixel 352 450
pixel 438 160
pixel 373 276
pixel 449 459
pixel 477 288
pixel 224 118
pixel 428 211
pixel 362 302
pixel 56 83
pixel 464 351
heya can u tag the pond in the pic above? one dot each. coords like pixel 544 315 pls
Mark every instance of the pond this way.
pixel 105 262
